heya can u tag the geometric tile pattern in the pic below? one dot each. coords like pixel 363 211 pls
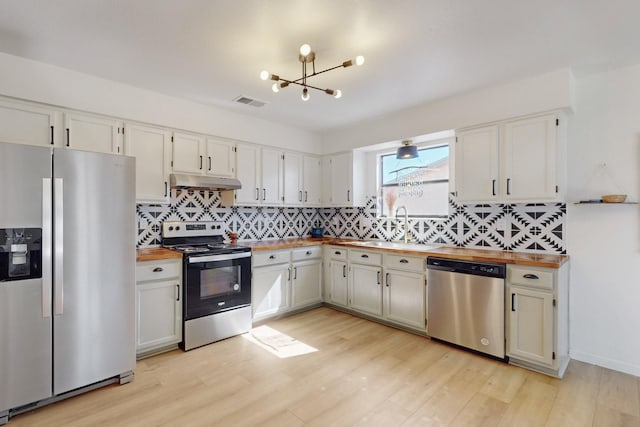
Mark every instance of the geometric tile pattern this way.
pixel 511 227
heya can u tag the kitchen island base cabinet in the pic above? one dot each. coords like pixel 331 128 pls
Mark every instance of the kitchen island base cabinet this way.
pixel 158 305
pixel 537 318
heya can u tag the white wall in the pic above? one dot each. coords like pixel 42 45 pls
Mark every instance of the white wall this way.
pixel 37 81
pixel 604 241
pixel 546 92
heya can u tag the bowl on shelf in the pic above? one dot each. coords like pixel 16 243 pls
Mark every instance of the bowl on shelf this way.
pixel 614 198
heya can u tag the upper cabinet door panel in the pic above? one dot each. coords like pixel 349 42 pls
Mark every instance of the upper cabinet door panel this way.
pixel 152 149
pixel 292 179
pixel 312 170
pixel 93 133
pixel 271 194
pixel 476 166
pixel 529 161
pixel 248 173
pixel 221 158
pixel 187 153
pixel 22 123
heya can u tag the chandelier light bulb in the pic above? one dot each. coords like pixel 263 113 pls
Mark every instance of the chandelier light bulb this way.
pixel 264 75
pixel 275 88
pixel 305 49
pixel 305 94
pixel 337 94
pixel 359 60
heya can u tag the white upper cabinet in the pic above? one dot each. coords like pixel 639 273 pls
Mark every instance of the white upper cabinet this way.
pixel 248 171
pixel 292 180
pixel 344 179
pixel 151 147
pixel 187 153
pixel 93 133
pixel 22 123
pixel 272 177
pixel 513 161
pixel 221 158
pixel 312 180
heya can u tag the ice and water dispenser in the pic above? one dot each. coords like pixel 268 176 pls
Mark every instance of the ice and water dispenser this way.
pixel 20 253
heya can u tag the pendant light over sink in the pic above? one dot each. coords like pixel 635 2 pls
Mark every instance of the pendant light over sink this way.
pixel 307 56
pixel 407 151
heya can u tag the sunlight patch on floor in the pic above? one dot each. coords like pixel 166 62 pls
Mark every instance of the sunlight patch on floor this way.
pixel 277 343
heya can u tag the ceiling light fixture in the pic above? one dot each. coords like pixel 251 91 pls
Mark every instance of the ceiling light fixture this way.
pixel 307 56
pixel 407 151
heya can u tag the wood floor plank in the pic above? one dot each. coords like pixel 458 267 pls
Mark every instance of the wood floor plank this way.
pixel 362 373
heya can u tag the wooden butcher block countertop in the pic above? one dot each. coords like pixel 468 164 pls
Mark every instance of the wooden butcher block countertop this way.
pixel 156 254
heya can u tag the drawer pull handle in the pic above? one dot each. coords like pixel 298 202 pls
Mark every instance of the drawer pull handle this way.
pixel 272 257
pixel 344 271
pixel 404 261
pixel 177 292
pixel 378 277
pixel 530 276
pixel 338 253
pixel 158 269
pixel 388 280
pixel 364 256
pixel 309 252
pixel 513 302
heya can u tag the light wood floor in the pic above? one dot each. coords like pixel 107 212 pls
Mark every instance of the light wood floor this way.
pixel 362 374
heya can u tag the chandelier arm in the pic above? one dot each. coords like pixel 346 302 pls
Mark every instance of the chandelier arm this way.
pixel 305 85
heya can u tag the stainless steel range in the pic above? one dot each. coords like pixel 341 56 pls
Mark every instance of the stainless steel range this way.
pixel 217 282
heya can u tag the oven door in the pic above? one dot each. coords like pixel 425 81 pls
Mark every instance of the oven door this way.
pixel 216 283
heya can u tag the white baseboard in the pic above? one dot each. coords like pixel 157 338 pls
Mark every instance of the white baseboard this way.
pixel 616 365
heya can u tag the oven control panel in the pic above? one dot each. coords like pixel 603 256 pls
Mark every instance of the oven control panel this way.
pixel 192 228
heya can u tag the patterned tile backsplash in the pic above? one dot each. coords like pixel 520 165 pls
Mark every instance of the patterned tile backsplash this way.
pixel 512 227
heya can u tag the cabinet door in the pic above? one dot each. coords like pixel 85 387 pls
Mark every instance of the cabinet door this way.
pixel 366 289
pixel 92 133
pixel 270 290
pixel 292 167
pixel 307 283
pixel 221 158
pixel 530 316
pixel 248 173
pixel 338 283
pixel 159 314
pixel 27 124
pixel 404 298
pixel 152 149
pixel 271 177
pixel 312 181
pixel 529 159
pixel 187 153
pixel 476 165
pixel 341 182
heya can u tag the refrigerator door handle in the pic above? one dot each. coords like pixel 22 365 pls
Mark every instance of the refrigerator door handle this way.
pixel 46 246
pixel 58 232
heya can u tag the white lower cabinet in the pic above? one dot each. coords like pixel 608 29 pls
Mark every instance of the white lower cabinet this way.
pixel 366 289
pixel 404 298
pixel 285 280
pixel 336 286
pixel 158 305
pixel 536 318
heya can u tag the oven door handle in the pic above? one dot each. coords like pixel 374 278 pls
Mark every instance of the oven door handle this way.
pixel 221 257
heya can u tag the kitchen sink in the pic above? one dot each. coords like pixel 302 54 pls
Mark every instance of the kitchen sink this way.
pixel 396 245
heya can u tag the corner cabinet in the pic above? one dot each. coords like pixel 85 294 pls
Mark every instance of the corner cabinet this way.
pixel 537 318
pixel 158 305
pixel 512 161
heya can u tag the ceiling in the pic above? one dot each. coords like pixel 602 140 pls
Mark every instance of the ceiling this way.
pixel 416 51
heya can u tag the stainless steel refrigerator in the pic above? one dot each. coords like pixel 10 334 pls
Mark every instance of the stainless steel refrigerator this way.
pixel 67 273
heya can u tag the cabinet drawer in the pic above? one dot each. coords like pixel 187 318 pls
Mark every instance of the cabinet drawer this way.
pixel 362 257
pixel 308 252
pixel 158 270
pixel 403 262
pixel 270 258
pixel 338 253
pixel 534 278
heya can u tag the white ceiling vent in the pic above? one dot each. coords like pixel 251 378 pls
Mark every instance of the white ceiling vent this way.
pixel 249 101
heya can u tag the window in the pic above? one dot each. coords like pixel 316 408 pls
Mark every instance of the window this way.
pixel 420 184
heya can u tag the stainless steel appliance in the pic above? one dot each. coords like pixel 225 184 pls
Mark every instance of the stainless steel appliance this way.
pixel 67 273
pixel 216 281
pixel 466 304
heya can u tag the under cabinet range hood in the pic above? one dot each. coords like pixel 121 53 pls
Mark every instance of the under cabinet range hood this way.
pixel 201 182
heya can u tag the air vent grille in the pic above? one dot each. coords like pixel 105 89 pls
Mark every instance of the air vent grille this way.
pixel 250 101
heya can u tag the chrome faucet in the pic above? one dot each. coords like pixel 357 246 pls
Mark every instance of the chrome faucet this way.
pixel 406 222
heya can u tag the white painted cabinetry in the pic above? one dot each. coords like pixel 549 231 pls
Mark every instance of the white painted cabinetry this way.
pixel 512 161
pixel 344 178
pixel 93 133
pixel 260 171
pixel 270 287
pixel 337 278
pixel 312 180
pixel 537 318
pixel 151 147
pixel 158 305
pixel 220 158
pixel 31 124
pixel 187 153
pixel 302 179
pixel 365 282
pixel 306 285
pixel 405 290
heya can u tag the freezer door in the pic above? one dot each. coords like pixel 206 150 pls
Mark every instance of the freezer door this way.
pixel 94 266
pixel 25 305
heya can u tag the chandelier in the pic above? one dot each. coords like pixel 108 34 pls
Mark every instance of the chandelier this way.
pixel 307 56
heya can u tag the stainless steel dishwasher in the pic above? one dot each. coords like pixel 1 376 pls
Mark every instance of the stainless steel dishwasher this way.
pixel 466 304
